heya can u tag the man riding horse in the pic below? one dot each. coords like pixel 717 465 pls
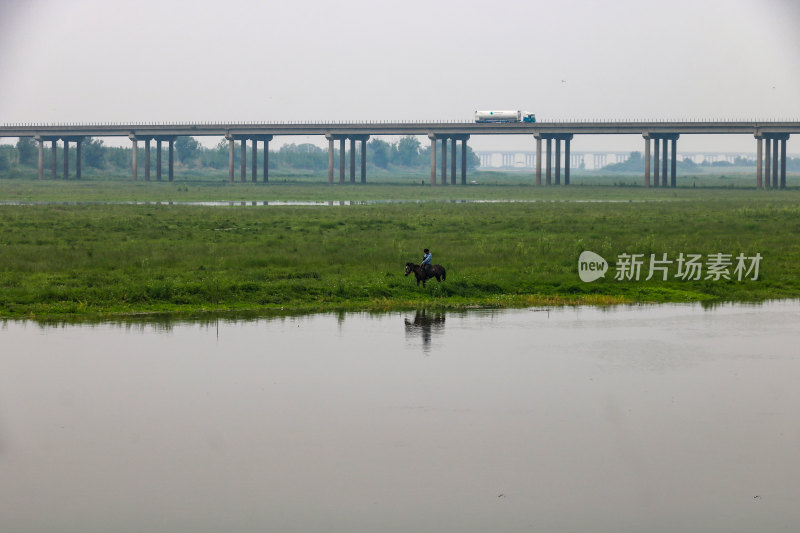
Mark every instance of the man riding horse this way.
pixel 427 257
pixel 426 270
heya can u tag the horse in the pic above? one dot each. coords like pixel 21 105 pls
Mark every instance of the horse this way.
pixel 421 274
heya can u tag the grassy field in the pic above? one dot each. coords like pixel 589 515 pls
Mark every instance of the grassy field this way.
pixel 100 260
pixel 302 186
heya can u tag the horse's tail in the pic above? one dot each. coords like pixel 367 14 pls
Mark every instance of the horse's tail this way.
pixel 444 274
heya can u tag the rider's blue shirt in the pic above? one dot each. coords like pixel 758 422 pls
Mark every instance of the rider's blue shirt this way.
pixel 426 259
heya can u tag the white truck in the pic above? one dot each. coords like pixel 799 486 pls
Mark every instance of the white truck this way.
pixel 504 116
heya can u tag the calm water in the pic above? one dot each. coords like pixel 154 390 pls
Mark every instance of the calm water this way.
pixel 662 418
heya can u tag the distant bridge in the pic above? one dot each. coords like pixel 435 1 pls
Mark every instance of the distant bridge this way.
pixel 593 159
pixel 771 137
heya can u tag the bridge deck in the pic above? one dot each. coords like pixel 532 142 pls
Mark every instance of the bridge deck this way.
pixel 398 128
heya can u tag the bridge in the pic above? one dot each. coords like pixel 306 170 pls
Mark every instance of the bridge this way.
pixel 770 137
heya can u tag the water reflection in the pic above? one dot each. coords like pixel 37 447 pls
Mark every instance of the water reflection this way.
pixel 626 419
pixel 424 324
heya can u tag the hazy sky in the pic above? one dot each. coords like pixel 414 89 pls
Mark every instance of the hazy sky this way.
pixel 103 60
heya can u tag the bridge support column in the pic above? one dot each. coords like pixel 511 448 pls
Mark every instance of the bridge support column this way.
pixel 54 151
pixel 231 150
pixel 664 161
pixel 147 159
pixel 243 161
pixel 538 159
pixel 656 162
pixel 342 157
pixel 774 162
pixel 254 170
pixel 674 162
pixel 558 160
pixel 41 158
pixel 444 160
pixel 352 160
pixel 266 139
pixel 330 158
pixel 171 143
pixel 134 158
pixel 767 160
pixel 759 158
pixel 783 161
pixel 549 164
pixel 78 157
pixel 66 159
pixel 464 160
pixel 646 159
pixel 364 159
pixel 567 141
pixel 453 158
pixel 432 137
pixel 158 159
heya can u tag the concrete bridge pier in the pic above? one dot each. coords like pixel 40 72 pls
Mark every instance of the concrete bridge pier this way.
pixel 341 159
pixel 453 158
pixel 343 156
pixel 364 159
pixel 656 164
pixel 158 159
pixel 464 140
pixel 78 157
pixel 40 144
pixel 674 161
pixel 134 156
pixel 783 161
pixel 243 160
pixel 330 158
pixel 444 160
pixel 66 159
pixel 558 161
pixel 432 137
pixel 557 137
pixel 352 160
pixel 549 164
pixel 171 157
pixel 147 158
pixel 53 158
pixel 171 169
pixel 646 159
pixel 254 169
pixel 231 150
pixel 266 139
pixel 663 144
pixel 759 154
pixel 774 160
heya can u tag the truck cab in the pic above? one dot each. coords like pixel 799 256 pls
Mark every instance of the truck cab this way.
pixel 529 117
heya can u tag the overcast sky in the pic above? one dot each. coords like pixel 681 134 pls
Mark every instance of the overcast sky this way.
pixel 156 61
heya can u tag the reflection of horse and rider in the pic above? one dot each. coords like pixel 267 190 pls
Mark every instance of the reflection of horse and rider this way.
pixel 426 270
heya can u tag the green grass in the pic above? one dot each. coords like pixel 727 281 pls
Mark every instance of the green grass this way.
pixel 303 187
pixel 98 260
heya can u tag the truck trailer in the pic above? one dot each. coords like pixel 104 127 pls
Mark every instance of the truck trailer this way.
pixel 504 116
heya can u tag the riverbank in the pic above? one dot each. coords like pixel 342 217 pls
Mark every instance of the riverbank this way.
pixel 101 260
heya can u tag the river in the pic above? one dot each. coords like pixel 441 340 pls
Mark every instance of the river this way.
pixel 661 418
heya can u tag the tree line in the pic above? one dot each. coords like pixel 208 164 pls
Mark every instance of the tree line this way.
pixel 405 154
